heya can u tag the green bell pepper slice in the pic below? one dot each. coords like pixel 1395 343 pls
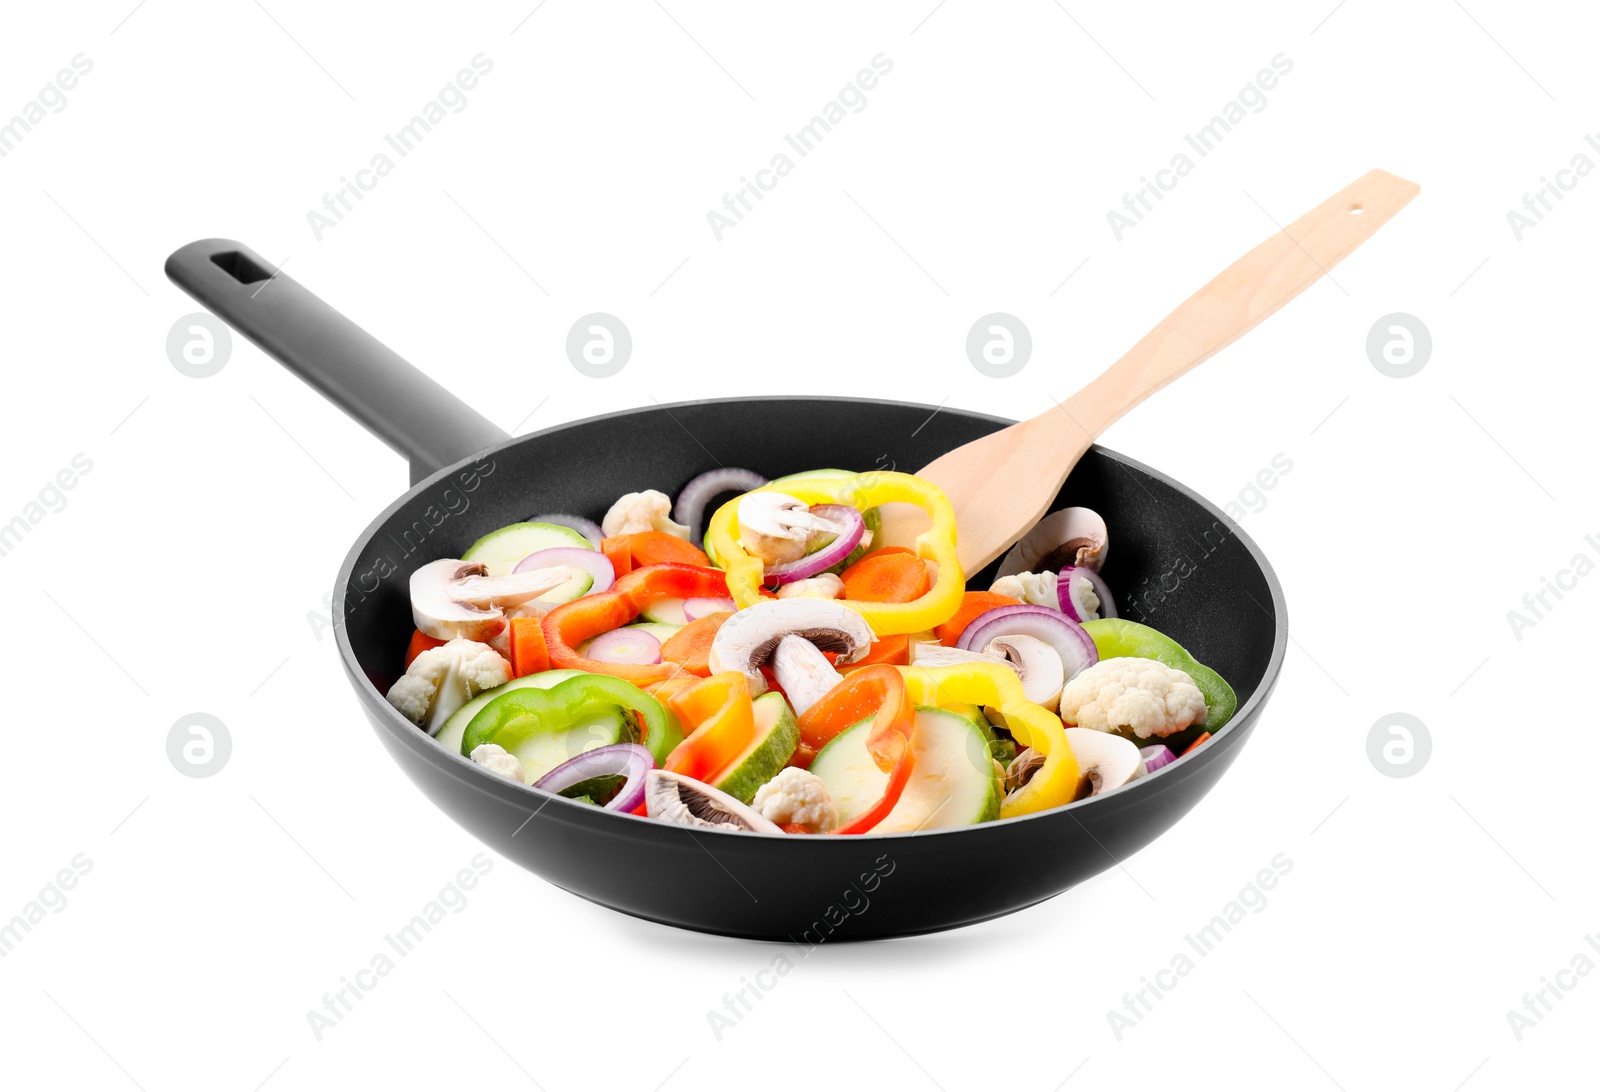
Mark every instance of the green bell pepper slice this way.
pixel 516 714
pixel 1119 637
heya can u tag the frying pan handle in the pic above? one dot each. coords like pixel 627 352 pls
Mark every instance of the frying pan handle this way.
pixel 400 405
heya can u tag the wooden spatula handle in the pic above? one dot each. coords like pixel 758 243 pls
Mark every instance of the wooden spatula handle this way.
pixel 1238 298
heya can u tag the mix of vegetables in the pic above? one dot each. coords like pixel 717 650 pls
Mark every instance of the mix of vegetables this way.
pixel 792 674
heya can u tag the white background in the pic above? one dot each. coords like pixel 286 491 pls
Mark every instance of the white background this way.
pixel 185 572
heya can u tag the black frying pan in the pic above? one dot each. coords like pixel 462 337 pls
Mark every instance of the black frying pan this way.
pixel 1176 562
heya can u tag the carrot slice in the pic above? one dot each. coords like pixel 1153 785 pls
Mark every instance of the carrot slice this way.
pixel 891 575
pixel 690 647
pixel 618 553
pixel 973 603
pixel 420 643
pixel 660 548
pixel 894 649
pixel 529 654
pixel 1201 738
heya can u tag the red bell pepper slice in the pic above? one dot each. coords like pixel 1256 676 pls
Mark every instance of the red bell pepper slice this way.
pixel 877 691
pixel 570 624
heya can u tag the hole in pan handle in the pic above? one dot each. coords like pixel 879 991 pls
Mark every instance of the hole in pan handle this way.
pixel 426 424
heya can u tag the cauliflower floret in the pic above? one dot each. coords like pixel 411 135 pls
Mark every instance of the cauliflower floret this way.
pixel 496 759
pixel 647 511
pixel 443 679
pixel 1129 692
pixel 797 796
pixel 1036 588
pixel 821 586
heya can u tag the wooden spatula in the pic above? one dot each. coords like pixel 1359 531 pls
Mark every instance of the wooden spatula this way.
pixel 1004 483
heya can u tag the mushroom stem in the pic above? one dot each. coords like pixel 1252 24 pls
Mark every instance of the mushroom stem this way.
pixel 804 672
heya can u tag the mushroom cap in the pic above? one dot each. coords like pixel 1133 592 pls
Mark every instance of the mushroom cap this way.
pixel 775 526
pixel 747 640
pixel 1036 663
pixel 437 612
pixel 677 798
pixel 1072 536
pixel 451 598
pixel 1105 761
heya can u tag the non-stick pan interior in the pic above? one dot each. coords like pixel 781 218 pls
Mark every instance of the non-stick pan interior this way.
pixel 1174 562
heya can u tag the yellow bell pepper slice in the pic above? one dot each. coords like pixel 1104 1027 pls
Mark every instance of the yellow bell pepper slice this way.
pixel 937 544
pixel 996 687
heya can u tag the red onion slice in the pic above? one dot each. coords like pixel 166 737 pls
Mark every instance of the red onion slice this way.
pixel 588 528
pixel 625 759
pixel 700 606
pixel 1070 640
pixel 1156 757
pixel 831 554
pixel 1073 588
pixel 592 562
pixel 628 645
pixel 690 508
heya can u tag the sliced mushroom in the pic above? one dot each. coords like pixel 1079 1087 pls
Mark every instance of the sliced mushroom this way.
pixel 675 798
pixel 1036 663
pixel 821 586
pixel 452 598
pixel 1072 536
pixel 775 526
pixel 1022 769
pixel 803 671
pixel 1105 761
pixel 934 654
pixel 747 641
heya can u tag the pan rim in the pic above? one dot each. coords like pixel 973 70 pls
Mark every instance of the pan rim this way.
pixel 470 773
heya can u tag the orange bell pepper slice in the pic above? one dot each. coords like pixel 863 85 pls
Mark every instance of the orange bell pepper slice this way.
pixel 724 723
pixel 878 692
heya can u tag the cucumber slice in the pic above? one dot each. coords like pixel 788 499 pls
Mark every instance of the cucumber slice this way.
pixel 595 790
pixel 659 630
pixel 953 782
pixel 668 612
pixel 777 735
pixel 542 751
pixel 829 474
pixel 455 728
pixel 499 551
